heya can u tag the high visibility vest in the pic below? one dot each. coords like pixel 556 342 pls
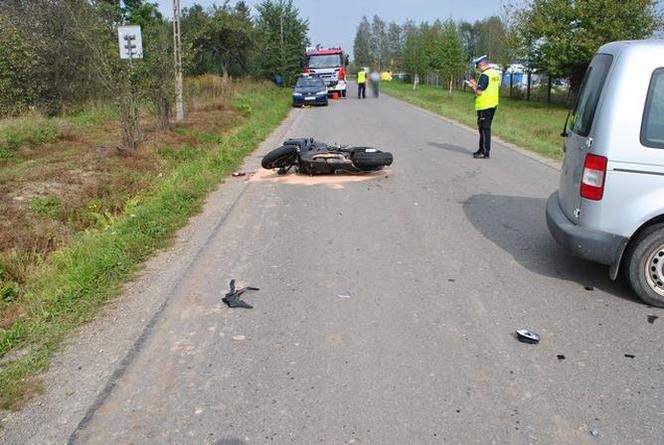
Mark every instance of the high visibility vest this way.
pixel 489 97
pixel 361 76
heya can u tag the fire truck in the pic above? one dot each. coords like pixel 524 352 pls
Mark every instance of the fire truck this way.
pixel 330 64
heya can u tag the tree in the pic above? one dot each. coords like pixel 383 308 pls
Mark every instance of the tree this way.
pixel 282 39
pixel 492 39
pixel 17 65
pixel 450 53
pixel 63 64
pixel 196 58
pixel 156 74
pixel 378 43
pixel 429 35
pixel 561 36
pixel 362 44
pixel 415 59
pixel 394 45
pixel 226 40
pixel 469 40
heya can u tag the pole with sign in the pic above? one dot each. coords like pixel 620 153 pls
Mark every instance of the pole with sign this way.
pixel 131 42
pixel 131 47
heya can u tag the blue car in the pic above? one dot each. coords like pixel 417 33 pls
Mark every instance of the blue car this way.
pixel 309 90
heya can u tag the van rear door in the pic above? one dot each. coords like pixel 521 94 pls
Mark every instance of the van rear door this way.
pixel 579 139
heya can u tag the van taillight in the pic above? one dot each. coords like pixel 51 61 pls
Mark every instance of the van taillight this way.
pixel 594 175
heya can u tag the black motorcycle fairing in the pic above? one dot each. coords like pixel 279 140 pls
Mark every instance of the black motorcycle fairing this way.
pixel 316 158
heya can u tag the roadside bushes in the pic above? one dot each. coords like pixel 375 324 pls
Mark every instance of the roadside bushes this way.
pixel 17 62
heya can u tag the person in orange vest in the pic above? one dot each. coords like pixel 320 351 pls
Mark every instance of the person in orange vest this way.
pixel 487 92
pixel 361 84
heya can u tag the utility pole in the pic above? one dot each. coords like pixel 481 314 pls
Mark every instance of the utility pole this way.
pixel 177 54
pixel 283 52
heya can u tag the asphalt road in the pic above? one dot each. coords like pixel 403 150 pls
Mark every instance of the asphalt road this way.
pixel 443 257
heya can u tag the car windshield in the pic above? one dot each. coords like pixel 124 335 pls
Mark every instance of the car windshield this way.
pixel 303 82
pixel 325 61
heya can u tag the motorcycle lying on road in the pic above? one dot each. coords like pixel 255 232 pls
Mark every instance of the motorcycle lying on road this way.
pixel 317 158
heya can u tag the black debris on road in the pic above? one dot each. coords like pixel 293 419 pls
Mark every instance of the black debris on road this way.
pixel 232 298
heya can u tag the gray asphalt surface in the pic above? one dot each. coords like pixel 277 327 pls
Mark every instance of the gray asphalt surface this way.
pixel 443 257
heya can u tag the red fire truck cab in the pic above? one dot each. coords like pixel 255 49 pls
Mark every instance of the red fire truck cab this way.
pixel 330 64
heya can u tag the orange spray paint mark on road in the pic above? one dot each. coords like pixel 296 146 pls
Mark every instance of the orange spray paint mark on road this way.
pixel 332 181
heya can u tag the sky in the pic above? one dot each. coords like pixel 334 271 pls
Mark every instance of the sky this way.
pixel 333 23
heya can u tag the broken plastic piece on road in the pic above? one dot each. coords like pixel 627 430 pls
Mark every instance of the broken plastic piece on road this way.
pixel 344 296
pixel 594 432
pixel 232 298
pixel 630 356
pixel 238 174
pixel 527 336
pixel 652 318
pixel 561 357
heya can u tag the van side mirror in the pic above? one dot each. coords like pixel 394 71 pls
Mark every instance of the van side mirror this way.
pixel 347 60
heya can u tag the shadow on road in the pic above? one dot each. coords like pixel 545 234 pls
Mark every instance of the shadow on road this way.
pixel 518 226
pixel 450 147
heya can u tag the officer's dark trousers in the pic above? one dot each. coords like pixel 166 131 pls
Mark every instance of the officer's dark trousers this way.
pixel 484 120
pixel 362 90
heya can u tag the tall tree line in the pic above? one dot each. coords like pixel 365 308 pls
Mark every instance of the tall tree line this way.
pixel 555 37
pixel 418 49
pixel 58 55
pixel 378 44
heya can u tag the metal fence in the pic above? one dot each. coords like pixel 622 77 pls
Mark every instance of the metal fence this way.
pixel 529 86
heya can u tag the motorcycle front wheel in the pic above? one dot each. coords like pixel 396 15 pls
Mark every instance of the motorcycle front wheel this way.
pixel 281 157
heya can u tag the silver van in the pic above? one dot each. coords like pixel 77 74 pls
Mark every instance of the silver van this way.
pixel 610 204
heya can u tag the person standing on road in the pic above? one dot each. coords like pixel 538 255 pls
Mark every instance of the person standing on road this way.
pixel 487 92
pixel 361 84
pixel 375 82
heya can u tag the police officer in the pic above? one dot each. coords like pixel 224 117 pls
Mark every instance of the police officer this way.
pixel 487 91
pixel 362 84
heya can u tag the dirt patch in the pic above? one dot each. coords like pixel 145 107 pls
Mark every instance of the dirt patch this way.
pixel 52 191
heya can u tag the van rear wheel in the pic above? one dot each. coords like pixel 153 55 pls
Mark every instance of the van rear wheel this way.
pixel 645 266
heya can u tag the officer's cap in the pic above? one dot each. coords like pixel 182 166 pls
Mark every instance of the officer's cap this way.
pixel 481 59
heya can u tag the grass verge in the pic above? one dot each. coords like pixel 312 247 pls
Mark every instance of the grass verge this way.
pixel 34 130
pixel 532 125
pixel 73 282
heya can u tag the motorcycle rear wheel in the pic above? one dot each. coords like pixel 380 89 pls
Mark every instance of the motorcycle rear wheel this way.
pixel 371 161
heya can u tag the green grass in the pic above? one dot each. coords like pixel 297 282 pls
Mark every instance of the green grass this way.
pixel 46 207
pixel 75 281
pixel 531 125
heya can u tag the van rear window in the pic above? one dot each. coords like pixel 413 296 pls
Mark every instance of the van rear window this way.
pixel 591 90
pixel 652 128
